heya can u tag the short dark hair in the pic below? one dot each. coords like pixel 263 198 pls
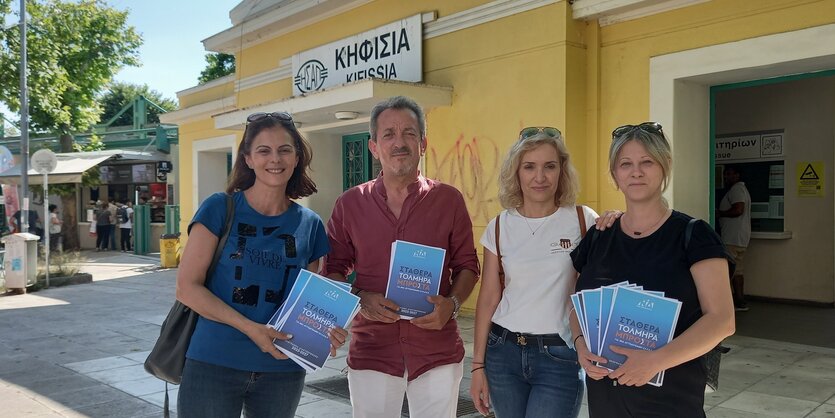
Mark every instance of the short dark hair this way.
pixel 52 207
pixel 399 103
pixel 243 177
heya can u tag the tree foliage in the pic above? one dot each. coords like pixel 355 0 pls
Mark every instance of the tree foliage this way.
pixel 217 65
pixel 120 94
pixel 74 49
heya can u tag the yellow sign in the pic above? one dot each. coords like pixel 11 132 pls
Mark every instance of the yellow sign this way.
pixel 810 177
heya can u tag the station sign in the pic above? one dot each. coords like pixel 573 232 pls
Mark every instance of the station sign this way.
pixel 393 51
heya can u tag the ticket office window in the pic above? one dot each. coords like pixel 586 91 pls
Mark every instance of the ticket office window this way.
pixel 765 181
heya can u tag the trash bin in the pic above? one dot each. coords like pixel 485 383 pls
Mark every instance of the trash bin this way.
pixel 21 260
pixel 169 245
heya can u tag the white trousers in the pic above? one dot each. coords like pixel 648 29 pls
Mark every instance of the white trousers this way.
pixel 432 395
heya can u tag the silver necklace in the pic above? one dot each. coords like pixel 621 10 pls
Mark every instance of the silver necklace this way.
pixel 639 233
pixel 533 230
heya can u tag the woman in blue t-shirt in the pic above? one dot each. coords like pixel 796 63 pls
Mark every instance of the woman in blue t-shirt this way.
pixel 232 366
pixel 647 246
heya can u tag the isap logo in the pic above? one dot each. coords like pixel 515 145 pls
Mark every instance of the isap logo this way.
pixel 565 243
pixel 311 76
pixel 646 304
pixel 419 254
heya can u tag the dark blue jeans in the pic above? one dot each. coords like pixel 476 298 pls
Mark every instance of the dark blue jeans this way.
pixel 533 380
pixel 210 391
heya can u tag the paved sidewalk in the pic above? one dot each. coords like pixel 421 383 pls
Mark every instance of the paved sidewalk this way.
pixel 77 351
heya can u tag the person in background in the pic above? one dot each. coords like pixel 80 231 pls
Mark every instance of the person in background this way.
pixel 104 224
pixel 54 228
pixel 33 219
pixel 524 364
pixel 735 226
pixel 647 247
pixel 112 207
pixel 391 357
pixel 232 368
pixel 124 216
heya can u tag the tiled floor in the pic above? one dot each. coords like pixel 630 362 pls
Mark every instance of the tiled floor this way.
pixel 78 351
pixel 759 378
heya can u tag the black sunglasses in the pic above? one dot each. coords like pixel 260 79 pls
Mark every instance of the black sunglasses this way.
pixel 535 130
pixel 650 127
pixel 282 116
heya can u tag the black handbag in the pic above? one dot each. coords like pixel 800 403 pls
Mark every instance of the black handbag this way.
pixel 168 356
pixel 710 362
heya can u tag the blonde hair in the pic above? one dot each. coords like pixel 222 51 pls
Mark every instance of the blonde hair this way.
pixel 510 191
pixel 656 145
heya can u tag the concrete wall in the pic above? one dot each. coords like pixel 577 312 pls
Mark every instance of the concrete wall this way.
pixel 626 94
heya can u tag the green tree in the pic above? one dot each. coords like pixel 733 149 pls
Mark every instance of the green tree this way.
pixel 74 49
pixel 217 65
pixel 120 94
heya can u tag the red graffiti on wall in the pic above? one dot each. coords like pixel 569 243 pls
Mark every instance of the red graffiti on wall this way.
pixel 472 166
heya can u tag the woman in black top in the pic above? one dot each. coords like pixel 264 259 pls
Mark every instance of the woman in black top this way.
pixel 646 246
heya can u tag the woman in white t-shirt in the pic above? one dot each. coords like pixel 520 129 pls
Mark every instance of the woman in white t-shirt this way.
pixel 524 363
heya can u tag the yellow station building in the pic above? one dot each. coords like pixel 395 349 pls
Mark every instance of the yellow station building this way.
pixel 732 81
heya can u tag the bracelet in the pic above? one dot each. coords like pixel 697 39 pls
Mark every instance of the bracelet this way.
pixel 477 368
pixel 575 340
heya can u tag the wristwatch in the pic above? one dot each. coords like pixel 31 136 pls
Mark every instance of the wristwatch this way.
pixel 456 306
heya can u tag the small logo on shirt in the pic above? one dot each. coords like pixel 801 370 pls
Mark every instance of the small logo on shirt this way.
pixel 561 246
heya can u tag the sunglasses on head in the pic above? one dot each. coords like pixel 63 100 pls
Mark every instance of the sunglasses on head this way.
pixel 650 127
pixel 282 116
pixel 535 130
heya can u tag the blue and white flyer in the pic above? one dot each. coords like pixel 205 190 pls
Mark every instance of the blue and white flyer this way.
pixel 638 320
pixel 591 304
pixel 414 274
pixel 578 310
pixel 314 305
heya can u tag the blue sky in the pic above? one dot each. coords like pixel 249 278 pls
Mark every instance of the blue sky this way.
pixel 172 54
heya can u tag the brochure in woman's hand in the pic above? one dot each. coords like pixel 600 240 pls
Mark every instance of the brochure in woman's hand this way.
pixel 625 315
pixel 314 306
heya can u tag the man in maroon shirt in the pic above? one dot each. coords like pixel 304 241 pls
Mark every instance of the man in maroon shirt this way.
pixel 388 357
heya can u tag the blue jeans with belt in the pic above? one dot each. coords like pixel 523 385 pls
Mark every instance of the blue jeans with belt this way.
pixel 211 391
pixel 532 376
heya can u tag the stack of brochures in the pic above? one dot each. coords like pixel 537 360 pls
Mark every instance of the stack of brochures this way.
pixel 314 305
pixel 414 274
pixel 625 315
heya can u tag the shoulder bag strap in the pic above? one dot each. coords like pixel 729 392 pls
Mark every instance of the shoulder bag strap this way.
pixel 499 250
pixel 230 215
pixel 688 232
pixel 582 218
